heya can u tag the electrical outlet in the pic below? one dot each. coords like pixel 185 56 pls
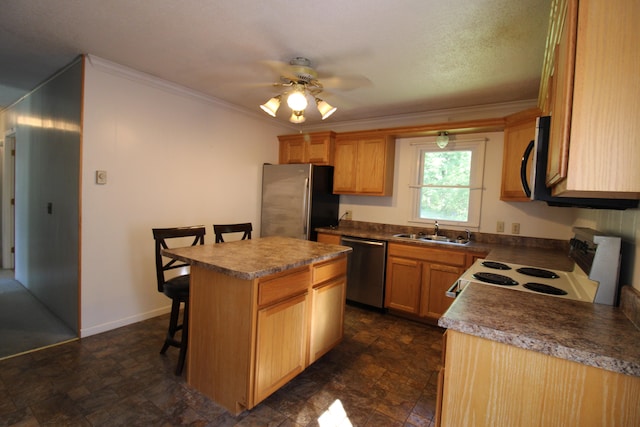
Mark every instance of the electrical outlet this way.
pixel 500 227
pixel 515 228
pixel 101 177
pixel 348 215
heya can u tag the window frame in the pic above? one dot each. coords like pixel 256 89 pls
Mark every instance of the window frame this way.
pixel 476 185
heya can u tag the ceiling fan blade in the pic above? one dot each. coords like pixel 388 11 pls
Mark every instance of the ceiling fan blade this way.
pixel 346 82
pixel 280 69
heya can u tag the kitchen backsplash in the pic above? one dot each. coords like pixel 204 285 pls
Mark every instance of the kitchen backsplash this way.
pixel 507 240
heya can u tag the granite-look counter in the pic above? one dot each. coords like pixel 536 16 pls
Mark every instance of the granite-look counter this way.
pixel 531 251
pixel 592 334
pixel 251 259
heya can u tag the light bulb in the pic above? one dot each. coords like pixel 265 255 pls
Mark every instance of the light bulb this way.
pixel 297 117
pixel 443 139
pixel 297 100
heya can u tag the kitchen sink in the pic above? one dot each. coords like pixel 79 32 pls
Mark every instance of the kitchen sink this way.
pixel 431 238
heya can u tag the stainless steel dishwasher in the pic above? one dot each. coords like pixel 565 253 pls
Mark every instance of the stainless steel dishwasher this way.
pixel 366 270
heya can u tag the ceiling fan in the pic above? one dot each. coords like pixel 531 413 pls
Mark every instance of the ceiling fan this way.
pixel 300 80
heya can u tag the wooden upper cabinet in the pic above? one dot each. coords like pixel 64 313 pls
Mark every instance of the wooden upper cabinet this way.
pixel 520 129
pixel 316 148
pixel 364 164
pixel 590 88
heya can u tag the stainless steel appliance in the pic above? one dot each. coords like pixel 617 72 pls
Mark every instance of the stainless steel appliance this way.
pixel 296 199
pixel 593 279
pixel 536 187
pixel 366 270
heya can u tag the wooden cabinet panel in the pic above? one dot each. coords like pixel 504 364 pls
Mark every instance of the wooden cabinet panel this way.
pixel 316 148
pixel 404 282
pixel 418 278
pixel 523 381
pixel 442 256
pixel 364 165
pixel 328 270
pixel 439 278
pixel 591 68
pixel 327 317
pixel 519 130
pixel 332 239
pixel 562 92
pixel 281 345
pixel 249 337
pixel 284 285
pixel 344 173
pixel 371 166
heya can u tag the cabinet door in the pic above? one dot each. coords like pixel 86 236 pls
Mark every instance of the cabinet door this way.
pixel 327 315
pixel 281 345
pixel 404 279
pixel 371 166
pixel 345 160
pixel 292 150
pixel 519 131
pixel 320 148
pixel 438 279
pixel 562 93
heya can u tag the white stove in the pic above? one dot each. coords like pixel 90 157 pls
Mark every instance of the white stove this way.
pixel 574 285
pixel 594 277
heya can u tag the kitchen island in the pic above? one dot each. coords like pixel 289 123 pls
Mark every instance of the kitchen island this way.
pixel 536 360
pixel 261 311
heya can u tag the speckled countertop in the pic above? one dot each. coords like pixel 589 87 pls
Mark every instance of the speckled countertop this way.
pixel 251 259
pixel 535 252
pixel 592 334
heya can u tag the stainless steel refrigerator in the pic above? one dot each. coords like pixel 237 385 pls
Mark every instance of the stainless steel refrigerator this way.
pixel 296 199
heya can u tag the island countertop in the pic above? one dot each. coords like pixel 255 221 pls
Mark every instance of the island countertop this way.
pixel 592 334
pixel 251 259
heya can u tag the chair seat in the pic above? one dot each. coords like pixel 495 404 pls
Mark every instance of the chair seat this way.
pixel 177 287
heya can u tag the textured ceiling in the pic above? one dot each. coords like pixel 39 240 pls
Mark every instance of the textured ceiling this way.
pixel 419 55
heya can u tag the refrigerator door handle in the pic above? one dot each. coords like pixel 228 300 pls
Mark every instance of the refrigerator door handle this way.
pixel 305 207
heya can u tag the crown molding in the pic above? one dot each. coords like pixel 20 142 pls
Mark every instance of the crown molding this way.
pixel 167 86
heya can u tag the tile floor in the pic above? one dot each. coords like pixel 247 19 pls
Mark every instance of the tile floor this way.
pixel 384 373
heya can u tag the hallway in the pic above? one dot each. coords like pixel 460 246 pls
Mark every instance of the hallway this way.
pixel 25 323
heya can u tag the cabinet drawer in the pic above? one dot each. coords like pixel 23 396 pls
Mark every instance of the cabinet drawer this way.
pixel 276 288
pixel 428 254
pixel 329 269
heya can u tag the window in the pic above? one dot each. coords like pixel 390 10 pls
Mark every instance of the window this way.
pixel 448 183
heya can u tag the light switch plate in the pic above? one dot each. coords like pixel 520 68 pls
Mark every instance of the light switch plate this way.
pixel 101 177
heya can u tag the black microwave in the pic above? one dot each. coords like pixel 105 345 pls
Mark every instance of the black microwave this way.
pixel 537 189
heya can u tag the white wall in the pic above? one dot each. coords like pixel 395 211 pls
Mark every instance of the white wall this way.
pixel 536 219
pixel 173 158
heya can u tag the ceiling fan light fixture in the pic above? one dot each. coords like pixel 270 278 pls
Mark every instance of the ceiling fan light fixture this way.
pixel 325 108
pixel 297 117
pixel 271 106
pixel 297 100
pixel 442 139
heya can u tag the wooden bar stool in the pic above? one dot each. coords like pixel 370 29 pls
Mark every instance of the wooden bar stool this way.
pixel 176 288
pixel 220 229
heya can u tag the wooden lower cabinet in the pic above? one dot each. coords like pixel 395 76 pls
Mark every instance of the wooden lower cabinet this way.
pixel 327 322
pixel 280 348
pixel 418 277
pixel 333 239
pixel 247 338
pixel 487 383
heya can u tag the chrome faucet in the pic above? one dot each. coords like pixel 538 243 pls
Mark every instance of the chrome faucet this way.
pixel 468 234
pixel 435 233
